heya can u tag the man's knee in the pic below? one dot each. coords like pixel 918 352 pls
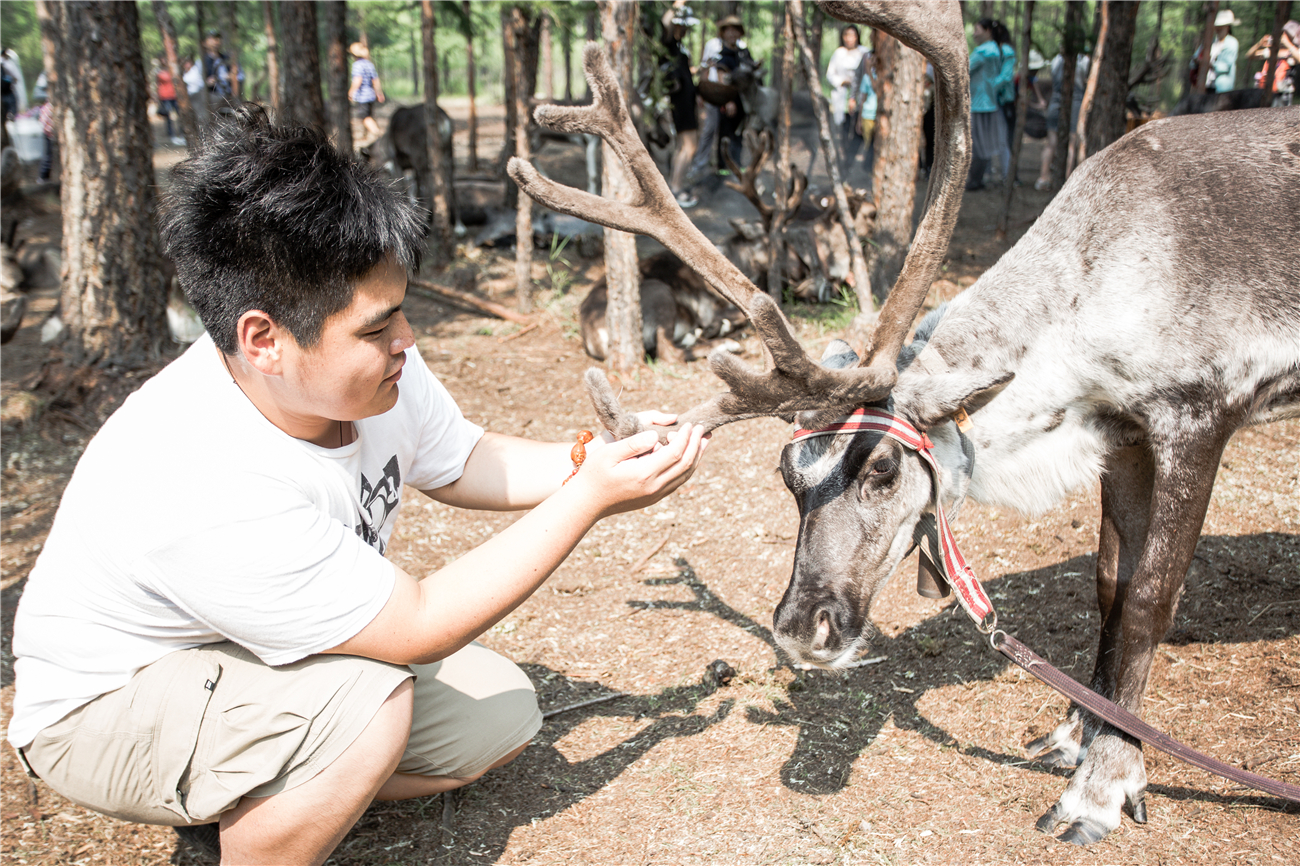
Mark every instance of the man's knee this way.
pixel 473 711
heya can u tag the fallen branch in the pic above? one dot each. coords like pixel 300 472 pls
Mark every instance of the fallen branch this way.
pixel 517 334
pixel 446 293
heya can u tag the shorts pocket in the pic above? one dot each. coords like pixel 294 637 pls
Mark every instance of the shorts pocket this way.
pixel 179 720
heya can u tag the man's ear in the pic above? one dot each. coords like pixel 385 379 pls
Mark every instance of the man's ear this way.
pixel 261 341
pixel 934 399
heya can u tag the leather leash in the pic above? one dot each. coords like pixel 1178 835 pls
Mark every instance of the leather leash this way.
pixel 942 549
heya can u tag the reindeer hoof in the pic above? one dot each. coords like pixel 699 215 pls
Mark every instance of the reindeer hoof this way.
pixel 1136 807
pixel 1084 832
pixel 1047 823
pixel 1057 758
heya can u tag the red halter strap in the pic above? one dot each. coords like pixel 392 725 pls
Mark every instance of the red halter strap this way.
pixel 956 570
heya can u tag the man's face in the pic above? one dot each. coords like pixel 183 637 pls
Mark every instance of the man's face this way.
pixel 213 44
pixel 352 371
pixel 731 35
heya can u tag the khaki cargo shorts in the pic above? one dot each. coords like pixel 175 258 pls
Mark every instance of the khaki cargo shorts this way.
pixel 201 728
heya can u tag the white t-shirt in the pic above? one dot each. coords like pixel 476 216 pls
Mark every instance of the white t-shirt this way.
pixel 191 519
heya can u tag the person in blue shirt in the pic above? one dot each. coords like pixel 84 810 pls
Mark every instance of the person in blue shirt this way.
pixel 1006 89
pixel 365 90
pixel 988 129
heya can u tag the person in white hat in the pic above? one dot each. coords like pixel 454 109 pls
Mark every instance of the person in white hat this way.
pixel 1223 53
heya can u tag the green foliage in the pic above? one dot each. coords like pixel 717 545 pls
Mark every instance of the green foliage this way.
pixel 22 33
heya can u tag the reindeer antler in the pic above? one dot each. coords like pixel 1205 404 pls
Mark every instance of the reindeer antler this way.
pixel 795 382
pixel 760 145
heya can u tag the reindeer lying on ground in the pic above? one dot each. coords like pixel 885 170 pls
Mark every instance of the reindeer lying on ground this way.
pixel 681 317
pixel 815 246
pixel 1152 310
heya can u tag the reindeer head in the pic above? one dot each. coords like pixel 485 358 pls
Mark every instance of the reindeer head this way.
pixel 859 496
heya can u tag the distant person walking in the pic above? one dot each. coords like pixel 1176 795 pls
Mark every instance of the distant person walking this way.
pixel 165 93
pixel 365 91
pixel 681 92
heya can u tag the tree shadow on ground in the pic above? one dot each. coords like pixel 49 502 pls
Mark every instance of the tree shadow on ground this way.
pixel 1044 608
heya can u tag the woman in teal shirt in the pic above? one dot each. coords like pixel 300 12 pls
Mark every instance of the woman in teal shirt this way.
pixel 988 129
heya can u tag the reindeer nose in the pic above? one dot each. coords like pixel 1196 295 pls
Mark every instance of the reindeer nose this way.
pixel 822 633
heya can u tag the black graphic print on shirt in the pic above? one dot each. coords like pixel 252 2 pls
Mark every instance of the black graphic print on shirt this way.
pixel 378 501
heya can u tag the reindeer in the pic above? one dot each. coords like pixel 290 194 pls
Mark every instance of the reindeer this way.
pixel 681 316
pixel 1151 311
pixel 815 248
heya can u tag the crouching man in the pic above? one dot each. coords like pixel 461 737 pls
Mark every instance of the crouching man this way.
pixel 212 637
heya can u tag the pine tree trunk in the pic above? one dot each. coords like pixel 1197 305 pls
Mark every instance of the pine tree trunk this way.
pixel 471 83
pixel 509 79
pixel 831 155
pixel 1106 120
pixel 441 243
pixel 1072 45
pixel 300 99
pixel 272 56
pixel 189 120
pixel 619 19
pixel 547 71
pixel 114 293
pixel 1022 111
pixel 230 44
pixel 901 90
pixel 783 67
pixel 340 75
pixel 523 204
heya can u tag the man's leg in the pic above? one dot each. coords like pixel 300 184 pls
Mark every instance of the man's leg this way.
pixel 305 823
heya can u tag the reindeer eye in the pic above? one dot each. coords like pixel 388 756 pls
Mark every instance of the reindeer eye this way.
pixel 883 467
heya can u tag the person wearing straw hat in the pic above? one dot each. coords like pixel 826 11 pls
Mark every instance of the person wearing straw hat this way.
pixel 1223 53
pixel 365 91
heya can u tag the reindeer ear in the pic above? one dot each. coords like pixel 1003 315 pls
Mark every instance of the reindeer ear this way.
pixel 839 355
pixel 935 399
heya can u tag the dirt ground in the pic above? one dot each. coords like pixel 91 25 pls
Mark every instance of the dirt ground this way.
pixel 916 757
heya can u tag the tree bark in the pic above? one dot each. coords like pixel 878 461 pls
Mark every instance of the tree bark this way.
pixel 1207 39
pixel 523 204
pixel 783 66
pixel 471 83
pixel 521 46
pixel 547 62
pixel 300 98
pixel 230 43
pixel 566 48
pixel 619 19
pixel 340 76
pixel 114 293
pixel 901 103
pixel 272 56
pixel 1108 78
pixel 189 120
pixel 442 245
pixel 1070 56
pixel 831 154
pixel 1022 110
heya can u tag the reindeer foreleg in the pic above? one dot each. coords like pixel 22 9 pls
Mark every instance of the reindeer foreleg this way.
pixel 1142 563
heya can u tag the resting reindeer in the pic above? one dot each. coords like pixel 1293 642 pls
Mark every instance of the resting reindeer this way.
pixel 1152 310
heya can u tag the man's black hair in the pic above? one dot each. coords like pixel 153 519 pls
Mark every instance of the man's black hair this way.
pixel 276 219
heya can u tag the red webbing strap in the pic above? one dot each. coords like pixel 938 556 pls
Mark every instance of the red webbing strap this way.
pixel 1131 724
pixel 977 605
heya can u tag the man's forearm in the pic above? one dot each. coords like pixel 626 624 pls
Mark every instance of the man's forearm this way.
pixel 506 473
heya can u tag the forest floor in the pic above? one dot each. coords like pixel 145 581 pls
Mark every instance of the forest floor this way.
pixel 915 758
